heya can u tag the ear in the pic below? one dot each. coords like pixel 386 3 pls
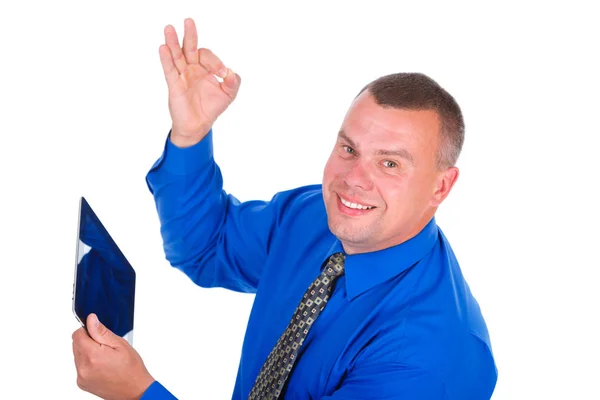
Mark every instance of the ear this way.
pixel 444 184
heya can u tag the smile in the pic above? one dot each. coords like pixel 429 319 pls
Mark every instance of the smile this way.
pixel 355 206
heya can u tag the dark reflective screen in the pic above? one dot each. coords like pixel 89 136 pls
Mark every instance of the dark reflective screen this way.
pixel 105 281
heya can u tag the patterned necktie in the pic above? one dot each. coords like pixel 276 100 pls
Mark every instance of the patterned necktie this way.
pixel 276 370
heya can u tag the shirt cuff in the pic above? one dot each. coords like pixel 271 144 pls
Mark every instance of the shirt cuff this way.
pixel 183 160
pixel 156 391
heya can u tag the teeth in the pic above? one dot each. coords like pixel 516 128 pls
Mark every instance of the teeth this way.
pixel 355 205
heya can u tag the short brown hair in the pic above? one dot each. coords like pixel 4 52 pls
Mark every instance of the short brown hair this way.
pixel 416 91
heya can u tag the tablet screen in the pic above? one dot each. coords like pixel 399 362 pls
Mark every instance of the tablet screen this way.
pixel 104 279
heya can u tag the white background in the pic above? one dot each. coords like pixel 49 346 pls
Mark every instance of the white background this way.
pixel 84 112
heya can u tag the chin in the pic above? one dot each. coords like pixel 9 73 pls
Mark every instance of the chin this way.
pixel 349 232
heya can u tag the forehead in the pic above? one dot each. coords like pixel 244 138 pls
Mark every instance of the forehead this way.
pixel 369 123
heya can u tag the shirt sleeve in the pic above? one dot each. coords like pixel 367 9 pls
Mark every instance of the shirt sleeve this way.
pixel 215 239
pixel 156 391
pixel 389 381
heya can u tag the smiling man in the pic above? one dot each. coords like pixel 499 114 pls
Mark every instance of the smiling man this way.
pixel 387 174
pixel 358 292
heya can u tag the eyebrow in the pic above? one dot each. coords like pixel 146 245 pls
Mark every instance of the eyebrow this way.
pixel 403 153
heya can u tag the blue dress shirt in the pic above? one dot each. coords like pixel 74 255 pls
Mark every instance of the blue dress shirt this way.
pixel 400 324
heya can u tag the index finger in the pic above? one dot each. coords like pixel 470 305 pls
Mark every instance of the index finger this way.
pixel 212 63
pixel 82 339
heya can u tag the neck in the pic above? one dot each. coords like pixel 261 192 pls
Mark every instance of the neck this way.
pixel 414 229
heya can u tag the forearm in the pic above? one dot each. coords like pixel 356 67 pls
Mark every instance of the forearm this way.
pixel 205 231
pixel 188 192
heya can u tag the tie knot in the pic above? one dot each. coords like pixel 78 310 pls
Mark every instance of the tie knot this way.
pixel 335 265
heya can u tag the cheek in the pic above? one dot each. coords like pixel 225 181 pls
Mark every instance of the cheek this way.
pixel 333 169
pixel 408 193
pixel 395 192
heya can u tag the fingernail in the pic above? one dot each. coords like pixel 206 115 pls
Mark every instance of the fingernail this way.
pixel 223 72
pixel 95 320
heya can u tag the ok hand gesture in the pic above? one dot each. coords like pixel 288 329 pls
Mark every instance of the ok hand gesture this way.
pixel 196 97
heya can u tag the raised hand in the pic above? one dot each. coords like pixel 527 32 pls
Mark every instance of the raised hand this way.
pixel 196 97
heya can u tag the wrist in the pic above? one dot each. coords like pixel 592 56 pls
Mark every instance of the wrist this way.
pixel 182 139
pixel 142 386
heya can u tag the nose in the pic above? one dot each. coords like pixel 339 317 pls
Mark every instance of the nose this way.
pixel 358 176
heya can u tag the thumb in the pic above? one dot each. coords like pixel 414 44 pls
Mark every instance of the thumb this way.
pixel 231 83
pixel 101 333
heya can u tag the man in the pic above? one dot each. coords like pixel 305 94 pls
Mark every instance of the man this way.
pixel 387 313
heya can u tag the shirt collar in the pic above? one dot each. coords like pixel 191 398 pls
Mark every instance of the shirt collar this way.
pixel 364 271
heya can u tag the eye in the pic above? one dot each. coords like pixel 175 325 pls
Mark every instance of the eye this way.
pixel 348 149
pixel 389 164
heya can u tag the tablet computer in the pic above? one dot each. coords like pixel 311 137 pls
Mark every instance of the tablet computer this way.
pixel 104 282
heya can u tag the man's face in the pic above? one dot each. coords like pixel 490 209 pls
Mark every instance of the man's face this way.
pixel 381 185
